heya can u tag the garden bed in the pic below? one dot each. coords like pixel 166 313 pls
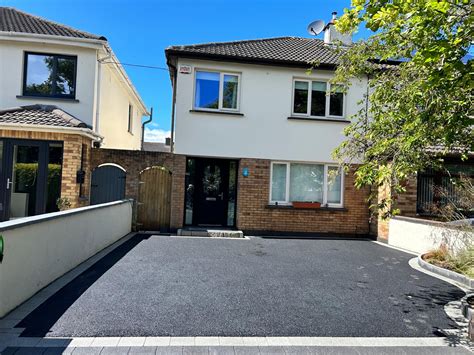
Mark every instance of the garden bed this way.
pixel 428 263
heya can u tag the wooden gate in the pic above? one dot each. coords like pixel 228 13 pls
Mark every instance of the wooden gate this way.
pixel 107 184
pixel 154 199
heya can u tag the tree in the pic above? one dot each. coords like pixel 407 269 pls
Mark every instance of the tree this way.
pixel 424 101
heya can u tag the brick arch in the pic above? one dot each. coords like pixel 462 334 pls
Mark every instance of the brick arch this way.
pixel 134 161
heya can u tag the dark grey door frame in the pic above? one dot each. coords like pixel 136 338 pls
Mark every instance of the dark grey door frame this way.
pixel 7 173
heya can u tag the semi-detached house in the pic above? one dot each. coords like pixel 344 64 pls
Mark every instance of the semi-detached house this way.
pixel 62 91
pixel 257 132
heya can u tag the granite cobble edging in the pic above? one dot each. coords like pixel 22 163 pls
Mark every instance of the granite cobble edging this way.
pixel 454 276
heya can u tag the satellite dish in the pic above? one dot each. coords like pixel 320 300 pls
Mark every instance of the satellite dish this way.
pixel 316 27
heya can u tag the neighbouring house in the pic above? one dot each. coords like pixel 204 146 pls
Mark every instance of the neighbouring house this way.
pixel 62 91
pixel 430 190
pixel 156 147
pixel 257 132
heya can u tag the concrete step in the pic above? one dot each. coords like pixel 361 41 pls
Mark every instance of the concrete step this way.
pixel 211 233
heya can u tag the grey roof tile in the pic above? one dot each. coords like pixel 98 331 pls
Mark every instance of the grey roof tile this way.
pixel 43 115
pixel 156 147
pixel 290 50
pixel 14 20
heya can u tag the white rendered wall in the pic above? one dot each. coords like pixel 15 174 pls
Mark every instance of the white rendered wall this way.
pixel 39 249
pixel 115 94
pixel 420 236
pixel 264 131
pixel 113 113
pixel 11 77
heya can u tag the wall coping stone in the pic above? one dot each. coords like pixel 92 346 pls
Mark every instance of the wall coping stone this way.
pixel 426 222
pixel 22 222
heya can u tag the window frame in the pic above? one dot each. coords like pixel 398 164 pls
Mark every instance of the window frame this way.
pixel 130 119
pixel 287 201
pixel 61 56
pixel 220 108
pixel 310 96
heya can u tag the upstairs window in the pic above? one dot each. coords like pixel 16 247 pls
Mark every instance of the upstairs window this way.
pixel 130 118
pixel 216 91
pixel 318 99
pixel 49 75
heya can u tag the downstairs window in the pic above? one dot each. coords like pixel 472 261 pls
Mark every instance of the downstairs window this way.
pixel 305 182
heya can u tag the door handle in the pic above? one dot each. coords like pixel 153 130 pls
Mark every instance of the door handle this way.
pixel 9 183
pixel 221 195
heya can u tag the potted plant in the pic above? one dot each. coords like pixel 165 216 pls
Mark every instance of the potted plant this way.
pixel 306 204
pixel 63 203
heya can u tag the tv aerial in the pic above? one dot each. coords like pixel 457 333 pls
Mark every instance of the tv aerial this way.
pixel 316 27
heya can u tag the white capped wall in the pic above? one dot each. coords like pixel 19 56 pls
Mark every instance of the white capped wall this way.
pixel 39 249
pixel 11 77
pixel 264 131
pixel 113 113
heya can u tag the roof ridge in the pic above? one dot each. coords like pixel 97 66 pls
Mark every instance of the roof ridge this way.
pixel 51 22
pixel 198 45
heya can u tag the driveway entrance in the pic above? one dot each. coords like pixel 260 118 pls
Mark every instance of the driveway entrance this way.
pixel 177 286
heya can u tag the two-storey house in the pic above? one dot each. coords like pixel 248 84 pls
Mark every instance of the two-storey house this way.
pixel 257 130
pixel 61 92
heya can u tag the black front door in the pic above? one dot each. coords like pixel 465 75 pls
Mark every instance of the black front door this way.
pixel 211 194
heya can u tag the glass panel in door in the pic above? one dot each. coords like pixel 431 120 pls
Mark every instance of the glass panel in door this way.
pixel 2 185
pixel 23 182
pixel 53 183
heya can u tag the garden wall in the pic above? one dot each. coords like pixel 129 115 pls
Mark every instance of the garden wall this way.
pixel 419 235
pixel 39 249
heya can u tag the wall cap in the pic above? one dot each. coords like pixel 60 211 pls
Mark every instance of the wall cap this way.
pixel 22 222
pixel 425 222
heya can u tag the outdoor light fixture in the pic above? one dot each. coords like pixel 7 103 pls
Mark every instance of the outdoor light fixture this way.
pixel 245 172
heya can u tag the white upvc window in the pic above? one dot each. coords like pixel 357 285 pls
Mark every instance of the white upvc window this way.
pixel 306 182
pixel 216 91
pixel 318 99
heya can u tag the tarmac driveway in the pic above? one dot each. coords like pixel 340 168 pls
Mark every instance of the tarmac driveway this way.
pixel 159 285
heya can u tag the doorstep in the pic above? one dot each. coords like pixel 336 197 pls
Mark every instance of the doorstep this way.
pixel 210 233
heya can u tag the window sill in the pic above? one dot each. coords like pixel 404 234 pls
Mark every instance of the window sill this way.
pixel 289 207
pixel 322 119
pixel 218 112
pixel 32 97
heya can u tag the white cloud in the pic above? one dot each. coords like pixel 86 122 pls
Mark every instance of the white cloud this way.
pixel 156 135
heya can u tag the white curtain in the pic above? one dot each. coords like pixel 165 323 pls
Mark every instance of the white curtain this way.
pixel 306 182
pixel 279 182
pixel 334 185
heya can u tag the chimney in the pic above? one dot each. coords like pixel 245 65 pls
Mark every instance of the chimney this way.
pixel 331 35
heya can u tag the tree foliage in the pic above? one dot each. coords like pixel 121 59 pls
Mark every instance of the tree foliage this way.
pixel 425 101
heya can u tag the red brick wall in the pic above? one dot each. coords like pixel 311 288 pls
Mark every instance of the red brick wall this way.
pixel 405 202
pixel 134 161
pixel 253 213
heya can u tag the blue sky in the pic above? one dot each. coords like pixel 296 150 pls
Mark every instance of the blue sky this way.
pixel 140 30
